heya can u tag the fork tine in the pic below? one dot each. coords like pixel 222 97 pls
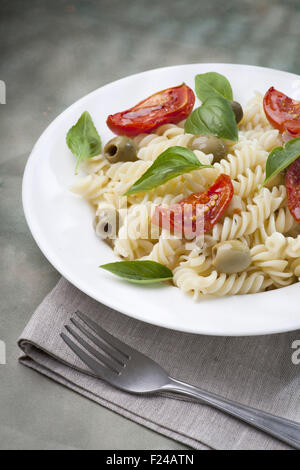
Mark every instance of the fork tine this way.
pixel 118 357
pixel 97 368
pixel 111 340
pixel 115 367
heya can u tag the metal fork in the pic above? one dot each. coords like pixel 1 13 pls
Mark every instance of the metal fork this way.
pixel 131 371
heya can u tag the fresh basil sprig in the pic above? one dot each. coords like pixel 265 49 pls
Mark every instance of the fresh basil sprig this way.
pixel 172 162
pixel 214 117
pixel 141 272
pixel 281 157
pixel 83 139
pixel 212 84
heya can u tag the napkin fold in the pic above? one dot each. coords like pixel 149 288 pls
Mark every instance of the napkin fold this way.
pixel 257 371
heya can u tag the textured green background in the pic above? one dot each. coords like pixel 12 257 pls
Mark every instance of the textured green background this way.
pixel 52 53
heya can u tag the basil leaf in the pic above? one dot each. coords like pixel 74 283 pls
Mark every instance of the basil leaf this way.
pixel 282 157
pixel 212 84
pixel 83 139
pixel 171 163
pixel 141 272
pixel 214 117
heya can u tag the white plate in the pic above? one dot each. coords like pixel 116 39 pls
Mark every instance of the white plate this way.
pixel 61 222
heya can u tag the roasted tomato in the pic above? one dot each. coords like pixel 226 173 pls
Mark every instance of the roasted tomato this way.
pixel 292 182
pixel 167 106
pixel 282 112
pixel 198 213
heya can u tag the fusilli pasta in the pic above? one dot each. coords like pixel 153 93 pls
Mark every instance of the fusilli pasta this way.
pixel 257 217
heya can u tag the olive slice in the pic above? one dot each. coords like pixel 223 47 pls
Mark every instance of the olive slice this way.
pixel 231 256
pixel 238 111
pixel 106 224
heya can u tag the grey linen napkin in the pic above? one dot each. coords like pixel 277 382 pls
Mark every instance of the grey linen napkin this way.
pixel 257 371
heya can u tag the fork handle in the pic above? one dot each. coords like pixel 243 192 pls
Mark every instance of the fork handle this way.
pixel 284 429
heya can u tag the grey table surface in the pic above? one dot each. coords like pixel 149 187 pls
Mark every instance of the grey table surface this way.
pixel 52 53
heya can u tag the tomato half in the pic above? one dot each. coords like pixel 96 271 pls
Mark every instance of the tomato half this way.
pixel 282 112
pixel 197 213
pixel 166 106
pixel 292 182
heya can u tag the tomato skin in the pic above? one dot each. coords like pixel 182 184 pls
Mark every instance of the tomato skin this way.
pixel 167 106
pixel 282 112
pixel 211 206
pixel 292 182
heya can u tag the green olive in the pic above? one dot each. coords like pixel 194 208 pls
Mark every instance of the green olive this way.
pixel 209 144
pixel 120 149
pixel 276 180
pixel 106 224
pixel 232 256
pixel 238 111
pixel 294 232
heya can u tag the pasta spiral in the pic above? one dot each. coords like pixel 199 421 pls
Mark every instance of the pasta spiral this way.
pixel 166 251
pixel 90 187
pixel 249 183
pixel 247 156
pixel 219 284
pixel 249 220
pixel 270 259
